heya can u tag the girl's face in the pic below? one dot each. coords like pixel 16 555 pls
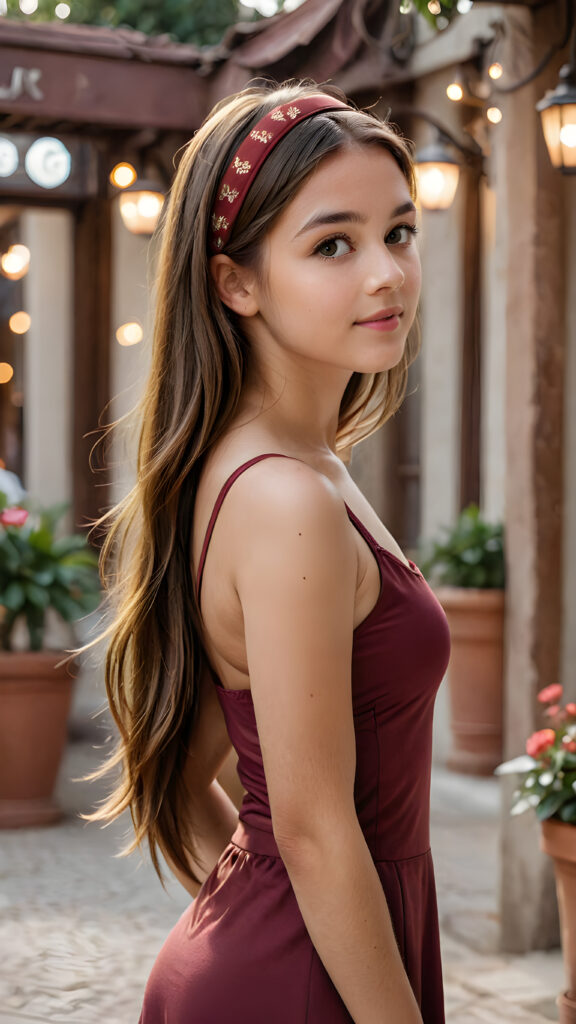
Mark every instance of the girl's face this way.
pixel 341 268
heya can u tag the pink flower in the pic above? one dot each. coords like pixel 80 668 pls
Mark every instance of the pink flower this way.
pixel 569 745
pixel 555 711
pixel 13 517
pixel 571 709
pixel 550 694
pixel 539 742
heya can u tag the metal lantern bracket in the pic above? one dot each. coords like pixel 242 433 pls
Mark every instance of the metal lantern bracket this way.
pixel 470 150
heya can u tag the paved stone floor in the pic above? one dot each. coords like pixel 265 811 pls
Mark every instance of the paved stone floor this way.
pixel 79 928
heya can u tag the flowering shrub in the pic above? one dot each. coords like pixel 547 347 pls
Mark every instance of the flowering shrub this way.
pixel 40 571
pixel 549 766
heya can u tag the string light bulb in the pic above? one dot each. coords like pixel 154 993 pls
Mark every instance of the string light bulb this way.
pixel 123 175
pixel 495 70
pixel 15 263
pixel 494 115
pixel 455 92
pixel 130 333
pixel 20 322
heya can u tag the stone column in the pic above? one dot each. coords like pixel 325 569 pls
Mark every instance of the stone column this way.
pixel 534 442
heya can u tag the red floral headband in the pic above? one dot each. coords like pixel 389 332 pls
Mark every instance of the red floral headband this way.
pixel 250 156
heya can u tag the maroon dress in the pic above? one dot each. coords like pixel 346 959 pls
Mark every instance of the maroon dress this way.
pixel 241 953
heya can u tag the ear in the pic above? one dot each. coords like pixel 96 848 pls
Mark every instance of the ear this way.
pixel 235 285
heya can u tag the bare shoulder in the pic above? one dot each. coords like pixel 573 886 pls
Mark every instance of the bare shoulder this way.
pixel 279 495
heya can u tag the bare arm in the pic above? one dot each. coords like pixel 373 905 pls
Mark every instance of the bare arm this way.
pixel 214 815
pixel 296 578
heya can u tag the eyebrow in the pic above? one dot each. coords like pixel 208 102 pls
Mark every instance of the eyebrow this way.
pixel 326 217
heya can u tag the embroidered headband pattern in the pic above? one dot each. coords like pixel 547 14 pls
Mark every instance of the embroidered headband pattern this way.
pixel 250 156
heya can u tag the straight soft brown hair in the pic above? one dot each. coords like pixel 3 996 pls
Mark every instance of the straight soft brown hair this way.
pixel 154 656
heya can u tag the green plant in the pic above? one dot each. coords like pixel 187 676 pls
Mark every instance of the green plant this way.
pixel 430 11
pixel 468 554
pixel 548 768
pixel 39 571
pixel 188 21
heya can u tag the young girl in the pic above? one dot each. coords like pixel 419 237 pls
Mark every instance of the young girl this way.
pixel 260 602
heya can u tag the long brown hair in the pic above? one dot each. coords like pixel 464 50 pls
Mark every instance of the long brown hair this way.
pixel 154 656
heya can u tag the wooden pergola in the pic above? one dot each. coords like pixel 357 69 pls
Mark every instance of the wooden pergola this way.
pixel 120 94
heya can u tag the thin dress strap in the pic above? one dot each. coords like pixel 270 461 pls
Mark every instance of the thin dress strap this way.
pixel 224 491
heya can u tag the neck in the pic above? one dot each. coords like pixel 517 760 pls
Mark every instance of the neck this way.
pixel 298 404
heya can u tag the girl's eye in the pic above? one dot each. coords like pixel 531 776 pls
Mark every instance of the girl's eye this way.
pixel 401 235
pixel 330 248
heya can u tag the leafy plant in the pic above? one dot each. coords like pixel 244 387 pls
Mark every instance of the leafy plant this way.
pixel 189 21
pixel 430 11
pixel 468 554
pixel 39 570
pixel 192 21
pixel 548 768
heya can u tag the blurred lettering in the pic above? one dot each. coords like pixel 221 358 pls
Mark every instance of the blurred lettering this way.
pixel 24 80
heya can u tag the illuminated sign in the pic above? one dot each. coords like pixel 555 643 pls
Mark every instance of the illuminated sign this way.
pixel 8 157
pixel 30 165
pixel 23 81
pixel 48 163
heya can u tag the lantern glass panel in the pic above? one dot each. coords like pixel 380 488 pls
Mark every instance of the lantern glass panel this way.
pixel 567 135
pixel 437 184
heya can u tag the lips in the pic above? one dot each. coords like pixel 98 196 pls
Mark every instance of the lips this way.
pixel 382 314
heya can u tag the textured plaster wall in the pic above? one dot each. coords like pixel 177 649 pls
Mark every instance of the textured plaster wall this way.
pixel 494 285
pixel 47 294
pixel 441 319
pixel 568 672
pixel 131 300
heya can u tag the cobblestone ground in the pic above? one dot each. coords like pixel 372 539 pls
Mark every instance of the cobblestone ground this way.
pixel 79 929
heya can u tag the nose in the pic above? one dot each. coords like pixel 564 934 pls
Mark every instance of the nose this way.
pixel 383 270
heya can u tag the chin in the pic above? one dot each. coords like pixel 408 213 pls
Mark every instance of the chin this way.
pixel 381 363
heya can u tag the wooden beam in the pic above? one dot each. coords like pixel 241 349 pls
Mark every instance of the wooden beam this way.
pixel 534 397
pixel 99 90
pixel 91 359
pixel 471 369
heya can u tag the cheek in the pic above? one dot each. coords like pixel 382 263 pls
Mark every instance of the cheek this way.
pixel 413 272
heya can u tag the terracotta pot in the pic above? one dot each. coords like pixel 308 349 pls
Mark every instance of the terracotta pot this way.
pixel 558 840
pixel 475 677
pixel 35 699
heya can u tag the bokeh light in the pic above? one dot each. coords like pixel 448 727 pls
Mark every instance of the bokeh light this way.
pixel 123 174
pixel 15 262
pixel 129 333
pixel 455 92
pixel 20 322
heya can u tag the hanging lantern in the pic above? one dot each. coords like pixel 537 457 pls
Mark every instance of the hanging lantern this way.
pixel 140 207
pixel 558 114
pixel 437 174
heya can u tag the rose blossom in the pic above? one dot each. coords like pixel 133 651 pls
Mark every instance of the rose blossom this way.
pixel 571 709
pixel 13 516
pixel 550 694
pixel 540 741
pixel 552 711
